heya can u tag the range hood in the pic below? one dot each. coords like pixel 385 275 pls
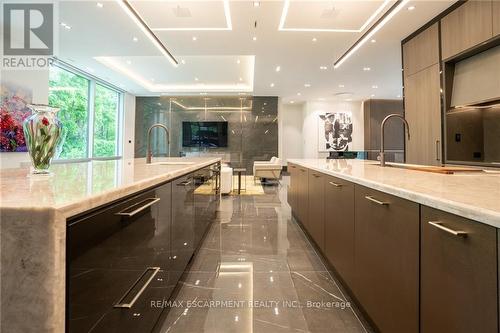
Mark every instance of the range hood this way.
pixel 476 81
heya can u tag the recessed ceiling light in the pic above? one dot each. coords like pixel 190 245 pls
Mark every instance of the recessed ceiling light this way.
pixel 348 99
pixel 135 39
pixel 238 61
pixel 100 5
pixel 298 94
pixel 256 3
pixel 373 41
pixel 372 31
pixel 271 85
pixel 278 68
pixel 241 79
pixel 314 39
pixel 367 69
pixel 291 102
pixel 196 79
pixel 372 95
pixel 341 86
pixel 411 8
pixel 254 38
pixel 129 62
pixel 374 86
pixel 194 38
pixel 323 68
pixel 132 13
pixel 183 61
pixel 307 85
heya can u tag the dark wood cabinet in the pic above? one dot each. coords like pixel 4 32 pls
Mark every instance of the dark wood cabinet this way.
pixel 118 261
pixel 458 274
pixel 316 209
pixel 292 188
pixel 386 252
pixel 339 226
pixel 302 196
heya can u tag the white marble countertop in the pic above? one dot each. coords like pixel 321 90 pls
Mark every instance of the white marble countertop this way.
pixel 474 195
pixel 76 187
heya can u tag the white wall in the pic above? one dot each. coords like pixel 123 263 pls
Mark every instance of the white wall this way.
pixel 128 135
pixel 311 113
pixel 290 118
pixel 37 82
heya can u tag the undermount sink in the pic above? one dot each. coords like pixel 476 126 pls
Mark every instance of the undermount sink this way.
pixel 172 163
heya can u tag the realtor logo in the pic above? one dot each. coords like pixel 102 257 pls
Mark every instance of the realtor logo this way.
pixel 28 29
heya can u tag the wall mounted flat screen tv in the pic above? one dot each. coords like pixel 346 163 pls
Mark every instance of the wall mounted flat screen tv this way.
pixel 209 134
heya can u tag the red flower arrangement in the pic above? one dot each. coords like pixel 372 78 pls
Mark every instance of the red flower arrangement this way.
pixel 13 111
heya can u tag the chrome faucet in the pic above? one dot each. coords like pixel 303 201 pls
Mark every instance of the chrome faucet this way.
pixel 382 148
pixel 149 153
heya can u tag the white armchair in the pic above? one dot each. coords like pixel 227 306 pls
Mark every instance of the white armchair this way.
pixel 267 169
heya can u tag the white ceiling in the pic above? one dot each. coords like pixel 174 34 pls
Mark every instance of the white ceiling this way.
pixel 224 58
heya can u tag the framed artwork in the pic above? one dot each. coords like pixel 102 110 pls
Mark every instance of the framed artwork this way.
pixel 334 131
pixel 13 111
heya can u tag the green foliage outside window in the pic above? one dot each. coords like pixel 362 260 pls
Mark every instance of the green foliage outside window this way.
pixel 70 93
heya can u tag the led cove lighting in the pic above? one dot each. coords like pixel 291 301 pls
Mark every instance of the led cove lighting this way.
pixel 132 13
pixel 227 14
pixel 286 6
pixel 278 68
pixel 100 5
pixel 372 31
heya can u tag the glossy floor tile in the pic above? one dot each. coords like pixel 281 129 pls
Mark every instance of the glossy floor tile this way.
pixel 257 272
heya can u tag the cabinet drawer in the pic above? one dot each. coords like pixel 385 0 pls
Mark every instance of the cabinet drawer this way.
pixel 458 274
pixel 316 208
pixel 387 259
pixel 339 226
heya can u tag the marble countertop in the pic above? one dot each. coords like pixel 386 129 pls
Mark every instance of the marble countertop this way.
pixel 76 187
pixel 469 194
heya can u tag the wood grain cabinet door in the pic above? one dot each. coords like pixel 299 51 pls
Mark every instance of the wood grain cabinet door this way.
pixel 302 198
pixel 496 17
pixel 386 254
pixel 466 27
pixel 458 274
pixel 316 211
pixel 339 226
pixel 421 51
pixel 423 113
pixel 292 188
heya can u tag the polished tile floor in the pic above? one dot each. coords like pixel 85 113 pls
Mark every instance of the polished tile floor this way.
pixel 257 272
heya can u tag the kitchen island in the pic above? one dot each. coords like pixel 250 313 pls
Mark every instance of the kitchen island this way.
pixel 417 250
pixel 35 211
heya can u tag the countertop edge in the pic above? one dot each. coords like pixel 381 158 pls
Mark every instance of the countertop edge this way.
pixel 481 215
pixel 71 209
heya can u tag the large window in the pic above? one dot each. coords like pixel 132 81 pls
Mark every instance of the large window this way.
pixel 89 112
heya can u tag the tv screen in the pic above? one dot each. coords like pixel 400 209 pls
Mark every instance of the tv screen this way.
pixel 210 134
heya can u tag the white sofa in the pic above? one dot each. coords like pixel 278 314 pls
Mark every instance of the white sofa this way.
pixel 267 169
pixel 226 179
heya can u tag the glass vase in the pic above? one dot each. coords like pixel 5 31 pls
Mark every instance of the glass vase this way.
pixel 42 132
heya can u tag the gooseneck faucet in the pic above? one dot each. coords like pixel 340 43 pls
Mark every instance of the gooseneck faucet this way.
pixel 382 146
pixel 149 153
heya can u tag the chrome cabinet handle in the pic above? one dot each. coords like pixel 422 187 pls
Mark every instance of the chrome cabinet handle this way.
pixel 335 184
pixel 378 202
pixel 148 202
pixel 315 175
pixel 185 183
pixel 121 303
pixel 440 225
pixel 438 158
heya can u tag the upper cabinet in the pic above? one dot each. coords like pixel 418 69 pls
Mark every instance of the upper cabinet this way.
pixel 496 17
pixel 466 26
pixel 421 51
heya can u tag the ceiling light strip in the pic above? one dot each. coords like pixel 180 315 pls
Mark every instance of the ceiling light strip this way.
pixel 286 7
pixel 372 31
pixel 227 14
pixel 127 7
